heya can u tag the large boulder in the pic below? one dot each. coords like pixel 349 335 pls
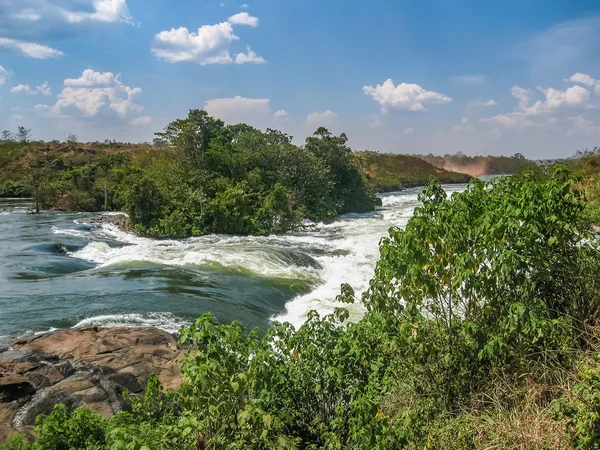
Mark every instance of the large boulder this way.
pixel 88 367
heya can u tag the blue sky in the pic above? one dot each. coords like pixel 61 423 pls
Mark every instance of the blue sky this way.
pixel 398 76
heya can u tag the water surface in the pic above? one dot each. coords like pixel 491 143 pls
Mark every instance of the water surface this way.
pixel 57 271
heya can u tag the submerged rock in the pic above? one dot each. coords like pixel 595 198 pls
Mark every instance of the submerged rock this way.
pixel 88 367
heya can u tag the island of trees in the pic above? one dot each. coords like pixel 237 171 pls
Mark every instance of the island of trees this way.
pixel 202 176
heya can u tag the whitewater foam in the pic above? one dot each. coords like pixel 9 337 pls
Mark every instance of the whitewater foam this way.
pixel 162 320
pixel 329 255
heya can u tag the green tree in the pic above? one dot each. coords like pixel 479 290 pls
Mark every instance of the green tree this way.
pixel 23 135
pixel 7 136
pixel 192 135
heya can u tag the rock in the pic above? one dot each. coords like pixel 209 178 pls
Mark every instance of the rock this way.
pixel 596 229
pixel 120 220
pixel 87 367
pixel 14 386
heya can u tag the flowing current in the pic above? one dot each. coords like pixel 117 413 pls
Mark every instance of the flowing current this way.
pixel 57 271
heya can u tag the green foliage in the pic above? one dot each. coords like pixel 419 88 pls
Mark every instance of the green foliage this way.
pixel 12 189
pixel 391 172
pixel 476 310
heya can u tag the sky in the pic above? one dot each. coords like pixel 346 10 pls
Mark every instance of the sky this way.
pixel 432 76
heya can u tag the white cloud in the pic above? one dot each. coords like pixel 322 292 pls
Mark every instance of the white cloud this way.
pixel 243 18
pixel 90 77
pixel 92 93
pixel 239 109
pixel 245 6
pixel 16 118
pixel 405 96
pixel 23 88
pixel 511 121
pixel 3 75
pixel 321 118
pixel 141 121
pixel 104 11
pixel 210 45
pixel 523 95
pixel 409 131
pixel 250 57
pixel 470 80
pixel 30 49
pixel 44 89
pixel 28 15
pixel 465 125
pixel 586 80
pixel 280 114
pixel 580 126
pixel 491 102
pixel 52 14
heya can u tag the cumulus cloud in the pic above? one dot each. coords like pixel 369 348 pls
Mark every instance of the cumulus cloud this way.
pixel 90 77
pixel 245 6
pixel 3 75
pixel 92 93
pixel 249 57
pixel 280 114
pixel 491 102
pixel 23 88
pixel 243 18
pixel 141 121
pixel 210 45
pixel 30 49
pixel 321 118
pixel 586 80
pixel 405 96
pixel 44 89
pixel 104 11
pixel 50 15
pixel 409 131
pixel 239 109
pixel 556 102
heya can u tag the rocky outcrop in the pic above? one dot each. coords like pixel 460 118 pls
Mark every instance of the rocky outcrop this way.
pixel 87 367
pixel 120 220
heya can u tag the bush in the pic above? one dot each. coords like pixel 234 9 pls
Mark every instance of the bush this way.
pixel 477 310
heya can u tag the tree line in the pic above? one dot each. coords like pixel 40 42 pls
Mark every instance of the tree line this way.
pixel 205 177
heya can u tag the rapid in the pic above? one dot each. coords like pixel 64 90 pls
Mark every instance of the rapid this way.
pixel 57 271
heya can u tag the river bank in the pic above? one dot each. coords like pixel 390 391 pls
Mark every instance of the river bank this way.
pixel 88 367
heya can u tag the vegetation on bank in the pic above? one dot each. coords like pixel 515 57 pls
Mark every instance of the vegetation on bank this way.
pixel 204 177
pixel 478 165
pixel 391 172
pixel 587 163
pixel 480 331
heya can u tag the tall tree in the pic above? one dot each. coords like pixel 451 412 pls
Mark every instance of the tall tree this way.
pixel 23 134
pixel 37 164
pixel 106 164
pixel 192 134
pixel 7 135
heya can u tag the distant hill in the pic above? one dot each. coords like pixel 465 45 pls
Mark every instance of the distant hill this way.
pixel 477 165
pixel 392 172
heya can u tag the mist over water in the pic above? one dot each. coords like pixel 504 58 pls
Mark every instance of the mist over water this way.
pixel 56 271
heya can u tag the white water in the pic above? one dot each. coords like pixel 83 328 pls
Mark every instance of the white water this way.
pixel 345 251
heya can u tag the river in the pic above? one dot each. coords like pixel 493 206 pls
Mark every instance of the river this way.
pixel 57 271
